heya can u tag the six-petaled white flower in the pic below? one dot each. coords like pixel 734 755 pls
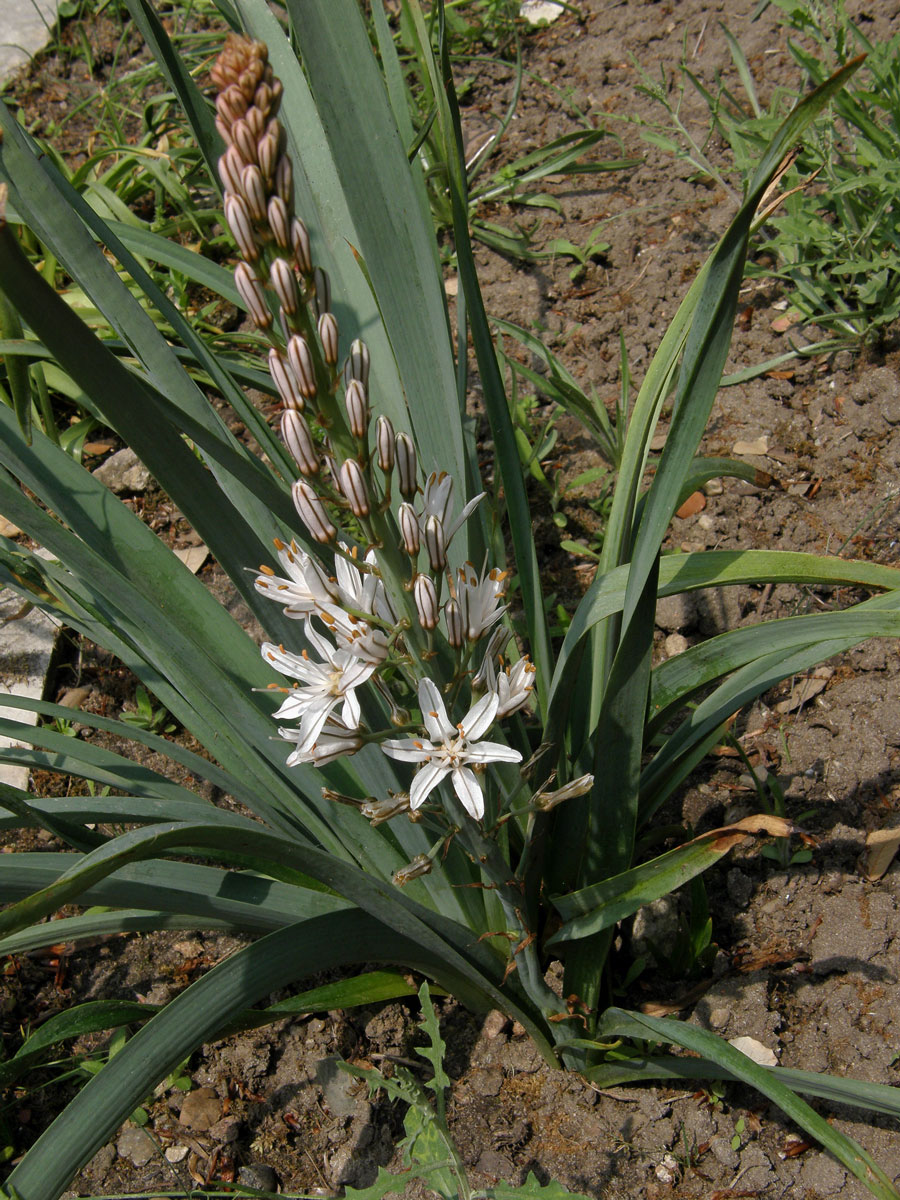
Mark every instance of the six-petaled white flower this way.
pixel 479 599
pixel 451 750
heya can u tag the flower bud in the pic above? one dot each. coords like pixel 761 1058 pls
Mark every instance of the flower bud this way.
pixel 302 362
pixel 247 81
pixel 321 292
pixel 353 485
pixel 256 123
pixel 312 512
pixel 286 381
pixel 230 166
pixel 407 465
pixel 284 180
pixel 409 529
pixel 284 285
pixel 357 364
pixel 237 214
pixel 279 222
pixel 328 336
pixel 425 596
pixel 244 141
pixel 384 444
pixel 268 149
pixel 263 99
pixel 224 128
pixel 456 630
pixel 388 806
pixel 254 191
pixel 231 105
pixel 296 436
pixel 300 246
pixel 252 295
pixel 434 544
pixel 576 787
pixel 357 409
pixel 420 865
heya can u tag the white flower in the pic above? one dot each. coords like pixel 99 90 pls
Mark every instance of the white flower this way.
pixel 450 749
pixel 306 587
pixel 437 501
pixel 334 741
pixel 326 685
pixel 479 599
pixel 513 686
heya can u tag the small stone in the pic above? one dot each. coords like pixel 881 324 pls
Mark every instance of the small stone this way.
pixel 174 1154
pixel 676 613
pixel 200 1109
pixel 496 1024
pixel 719 1018
pixel 226 1130
pixel 136 1145
pixel 724 1153
pixel 676 643
pixel 123 472
pixel 258 1175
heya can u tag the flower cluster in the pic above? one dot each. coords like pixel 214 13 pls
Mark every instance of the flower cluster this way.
pixel 393 616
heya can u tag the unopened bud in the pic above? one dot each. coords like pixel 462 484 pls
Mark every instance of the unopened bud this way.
pixel 352 483
pixel 244 141
pixel 284 285
pixel 384 444
pixel 279 222
pixel 268 149
pixel 230 166
pixel 321 292
pixel 237 214
pixel 409 528
pixel 251 293
pixel 388 806
pixel 420 865
pixel 434 544
pixel 328 336
pixel 312 512
pixel 231 105
pixel 254 191
pixel 256 122
pixel 357 409
pixel 456 630
pixel 300 246
pixel 286 381
pixel 577 787
pixel 296 436
pixel 357 364
pixel 407 465
pixel 284 180
pixel 425 596
pixel 301 360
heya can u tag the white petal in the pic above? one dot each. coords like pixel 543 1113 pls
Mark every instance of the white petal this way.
pixel 313 720
pixel 295 705
pixel 434 714
pixel 424 781
pixel 480 718
pixel 408 749
pixel 466 787
pixel 316 640
pixel 482 752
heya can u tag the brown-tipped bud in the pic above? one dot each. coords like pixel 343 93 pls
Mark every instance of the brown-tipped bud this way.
pixel 284 180
pixel 224 128
pixel 286 381
pixel 262 98
pixel 384 444
pixel 435 544
pixel 256 122
pixel 254 191
pixel 321 291
pixel 302 361
pixel 231 105
pixel 409 529
pixel 252 295
pixel 357 409
pixel 276 91
pixel 268 149
pixel 425 595
pixel 300 246
pixel 352 483
pixel 237 214
pixel 284 285
pixel 328 336
pixel 544 801
pixel 456 630
pixel 296 436
pixel 407 465
pixel 420 865
pixel 230 166
pixel 244 141
pixel 388 806
pixel 357 364
pixel 312 512
pixel 279 222
pixel 247 82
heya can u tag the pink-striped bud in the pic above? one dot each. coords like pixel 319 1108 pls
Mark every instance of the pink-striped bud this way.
pixel 243 140
pixel 425 596
pixel 456 630
pixel 301 248
pixel 263 98
pixel 301 360
pixel 409 529
pixel 268 149
pixel 328 336
pixel 237 214
pixel 384 444
pixel 247 82
pixel 279 222
pixel 251 293
pixel 357 409
pixel 231 105
pixel 353 485
pixel 312 512
pixel 254 191
pixel 224 128
pixel 286 381
pixel 435 545
pixel 407 465
pixel 357 364
pixel 296 436
pixel 284 285
pixel 230 166
pixel 256 121
pixel 284 180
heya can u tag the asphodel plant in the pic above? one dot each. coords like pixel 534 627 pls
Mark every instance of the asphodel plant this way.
pixel 423 779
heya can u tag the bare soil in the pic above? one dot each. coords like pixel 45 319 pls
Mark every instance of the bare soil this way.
pixel 807 960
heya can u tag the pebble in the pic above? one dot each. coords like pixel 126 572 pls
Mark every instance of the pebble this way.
pixel 258 1175
pixel 123 472
pixel 136 1145
pixel 719 1017
pixel 496 1024
pixel 174 1154
pixel 200 1109
pixel 676 643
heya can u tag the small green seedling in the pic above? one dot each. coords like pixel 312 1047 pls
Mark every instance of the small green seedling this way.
pixel 155 720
